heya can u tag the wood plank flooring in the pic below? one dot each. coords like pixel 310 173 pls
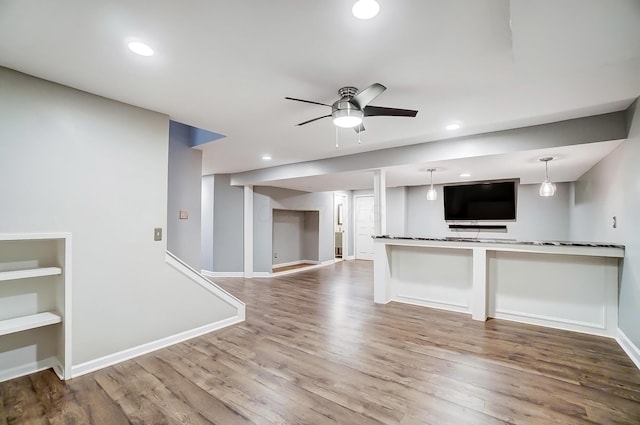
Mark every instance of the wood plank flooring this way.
pixel 315 349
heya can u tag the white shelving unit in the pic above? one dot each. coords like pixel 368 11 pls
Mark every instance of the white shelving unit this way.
pixel 35 304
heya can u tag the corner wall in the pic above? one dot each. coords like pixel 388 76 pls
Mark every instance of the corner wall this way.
pixel 185 181
pixel 612 188
pixel 74 162
pixel 266 199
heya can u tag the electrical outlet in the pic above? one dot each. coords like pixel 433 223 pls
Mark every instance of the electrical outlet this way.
pixel 275 255
pixel 157 234
pixel 615 222
pixel 184 214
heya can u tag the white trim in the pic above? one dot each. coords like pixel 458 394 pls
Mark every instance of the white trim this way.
pixel 198 278
pixel 350 257
pixel 440 305
pixel 629 347
pixel 111 359
pixel 34 236
pixel 294 263
pixel 261 274
pixel 312 265
pixel 248 231
pixel 28 369
pixel 208 273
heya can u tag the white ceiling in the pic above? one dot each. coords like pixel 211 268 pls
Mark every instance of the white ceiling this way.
pixel 226 66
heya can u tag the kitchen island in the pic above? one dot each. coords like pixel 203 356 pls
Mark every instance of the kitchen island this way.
pixel 564 285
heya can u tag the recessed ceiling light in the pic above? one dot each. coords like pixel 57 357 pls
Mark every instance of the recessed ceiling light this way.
pixel 365 9
pixel 140 48
pixel 453 126
pixel 266 157
pixel 465 174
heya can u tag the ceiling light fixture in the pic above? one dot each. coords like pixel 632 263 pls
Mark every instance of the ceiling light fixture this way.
pixel 365 9
pixel 266 157
pixel 348 117
pixel 547 188
pixel 453 126
pixel 432 194
pixel 140 48
pixel 465 174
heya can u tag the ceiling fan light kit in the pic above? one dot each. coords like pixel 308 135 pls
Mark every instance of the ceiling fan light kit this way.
pixel 353 105
pixel 347 118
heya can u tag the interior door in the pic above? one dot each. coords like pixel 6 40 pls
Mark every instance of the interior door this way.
pixel 364 227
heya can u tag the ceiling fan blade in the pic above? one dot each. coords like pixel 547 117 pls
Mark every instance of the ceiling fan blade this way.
pixel 307 101
pixel 359 129
pixel 315 119
pixel 363 98
pixel 373 111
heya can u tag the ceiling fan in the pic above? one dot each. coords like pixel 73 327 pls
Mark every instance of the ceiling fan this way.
pixel 353 106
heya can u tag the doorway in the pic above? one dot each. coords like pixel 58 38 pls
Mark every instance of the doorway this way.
pixel 340 227
pixel 365 227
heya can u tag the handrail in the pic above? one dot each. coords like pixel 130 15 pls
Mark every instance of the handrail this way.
pixel 211 286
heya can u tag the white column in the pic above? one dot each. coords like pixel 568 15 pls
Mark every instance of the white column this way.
pixel 479 288
pixel 248 231
pixel 380 202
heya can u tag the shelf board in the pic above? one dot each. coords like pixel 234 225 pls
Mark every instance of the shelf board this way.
pixel 32 321
pixel 27 273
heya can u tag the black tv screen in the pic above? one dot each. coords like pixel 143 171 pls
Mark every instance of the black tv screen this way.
pixel 480 201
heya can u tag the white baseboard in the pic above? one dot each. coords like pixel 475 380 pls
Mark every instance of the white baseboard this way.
pixel 111 359
pixel 350 257
pixel 629 347
pixel 208 273
pixel 294 263
pixel 27 369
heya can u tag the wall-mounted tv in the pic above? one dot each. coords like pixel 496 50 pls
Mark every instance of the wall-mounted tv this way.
pixel 480 201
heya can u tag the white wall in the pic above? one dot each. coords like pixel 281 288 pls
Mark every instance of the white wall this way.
pixel 72 161
pixel 612 188
pixel 537 218
pixel 185 193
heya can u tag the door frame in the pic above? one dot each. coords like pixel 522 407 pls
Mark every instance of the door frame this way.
pixel 355 221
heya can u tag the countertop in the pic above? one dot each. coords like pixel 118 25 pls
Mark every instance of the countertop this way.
pixel 505 241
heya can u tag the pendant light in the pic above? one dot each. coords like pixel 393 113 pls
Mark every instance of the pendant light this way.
pixel 547 188
pixel 432 195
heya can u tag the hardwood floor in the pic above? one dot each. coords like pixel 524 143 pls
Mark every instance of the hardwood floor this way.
pixel 315 349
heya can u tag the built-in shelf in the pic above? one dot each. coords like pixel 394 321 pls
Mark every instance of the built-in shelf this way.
pixel 32 321
pixel 35 304
pixel 28 273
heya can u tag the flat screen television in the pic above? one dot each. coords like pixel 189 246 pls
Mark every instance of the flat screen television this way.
pixel 480 201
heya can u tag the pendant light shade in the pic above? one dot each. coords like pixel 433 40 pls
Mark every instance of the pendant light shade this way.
pixel 547 188
pixel 432 195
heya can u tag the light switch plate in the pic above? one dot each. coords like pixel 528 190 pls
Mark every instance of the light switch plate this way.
pixel 184 214
pixel 157 234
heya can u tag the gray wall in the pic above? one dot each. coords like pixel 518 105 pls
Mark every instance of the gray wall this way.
pixel 397 210
pixel 266 199
pixel 612 188
pixel 185 181
pixel 74 162
pixel 288 228
pixel 228 226
pixel 311 236
pixel 295 236
pixel 206 237
pixel 537 218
